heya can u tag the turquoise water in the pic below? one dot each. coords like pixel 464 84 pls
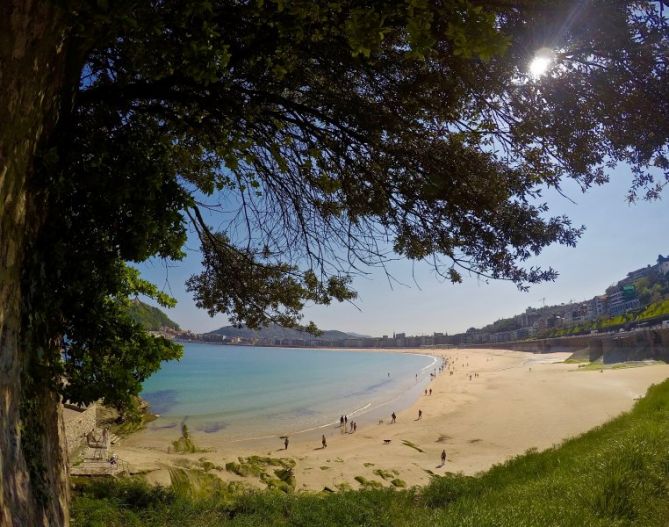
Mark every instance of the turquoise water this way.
pixel 241 392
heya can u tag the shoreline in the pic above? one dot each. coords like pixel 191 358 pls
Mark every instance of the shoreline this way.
pixel 364 403
pixel 519 401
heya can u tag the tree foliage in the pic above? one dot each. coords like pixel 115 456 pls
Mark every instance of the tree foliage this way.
pixel 327 135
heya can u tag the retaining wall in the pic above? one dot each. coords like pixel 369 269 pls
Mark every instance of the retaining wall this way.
pixel 78 422
pixel 610 347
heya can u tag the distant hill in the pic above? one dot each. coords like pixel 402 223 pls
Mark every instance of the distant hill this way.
pixel 150 317
pixel 278 332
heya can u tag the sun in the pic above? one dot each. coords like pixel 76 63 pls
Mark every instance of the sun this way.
pixel 540 63
pixel 539 66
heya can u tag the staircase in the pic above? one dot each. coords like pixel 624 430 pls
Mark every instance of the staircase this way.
pixel 94 459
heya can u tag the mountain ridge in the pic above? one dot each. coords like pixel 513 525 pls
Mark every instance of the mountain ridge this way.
pixel 275 331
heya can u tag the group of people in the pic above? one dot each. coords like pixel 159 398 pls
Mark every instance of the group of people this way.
pixel 352 426
pixel 344 424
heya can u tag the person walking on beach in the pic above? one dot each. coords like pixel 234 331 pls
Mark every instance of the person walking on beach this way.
pixel 324 441
pixel 420 414
pixel 345 420
pixel 443 457
pixel 355 427
pixel 430 391
pixel 285 443
pixel 341 420
pixel 393 417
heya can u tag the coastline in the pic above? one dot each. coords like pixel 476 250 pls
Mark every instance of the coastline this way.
pixel 503 412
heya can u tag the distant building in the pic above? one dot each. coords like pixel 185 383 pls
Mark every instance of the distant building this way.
pixel 597 307
pixel 623 300
pixel 636 275
pixel 662 264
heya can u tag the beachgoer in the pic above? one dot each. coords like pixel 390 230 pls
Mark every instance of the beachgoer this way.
pixel 355 427
pixel 285 443
pixel 393 417
pixel 323 441
pixel 425 391
pixel 420 414
pixel 345 420
pixel 430 391
pixel 443 457
pixel 341 420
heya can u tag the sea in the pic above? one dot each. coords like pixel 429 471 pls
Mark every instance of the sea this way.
pixel 237 393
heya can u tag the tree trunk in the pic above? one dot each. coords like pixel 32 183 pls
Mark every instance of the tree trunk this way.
pixel 33 478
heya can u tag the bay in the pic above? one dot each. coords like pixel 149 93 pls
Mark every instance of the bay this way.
pixel 245 392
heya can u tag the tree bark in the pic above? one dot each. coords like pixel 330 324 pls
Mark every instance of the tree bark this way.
pixel 33 478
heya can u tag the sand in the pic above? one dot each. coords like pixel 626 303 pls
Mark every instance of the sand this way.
pixel 519 401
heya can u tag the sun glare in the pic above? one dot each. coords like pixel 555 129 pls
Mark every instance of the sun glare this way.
pixel 539 66
pixel 541 62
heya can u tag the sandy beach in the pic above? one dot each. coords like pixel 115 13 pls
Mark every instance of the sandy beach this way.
pixel 518 401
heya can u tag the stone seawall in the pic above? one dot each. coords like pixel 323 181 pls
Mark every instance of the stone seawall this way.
pixel 610 347
pixel 79 420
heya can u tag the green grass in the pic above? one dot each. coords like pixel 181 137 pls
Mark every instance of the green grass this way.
pixel 595 366
pixel 184 445
pixel 615 475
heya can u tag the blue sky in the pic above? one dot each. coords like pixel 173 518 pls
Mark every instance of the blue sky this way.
pixel 618 239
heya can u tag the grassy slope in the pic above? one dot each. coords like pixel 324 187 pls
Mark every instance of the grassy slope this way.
pixel 614 475
pixel 150 317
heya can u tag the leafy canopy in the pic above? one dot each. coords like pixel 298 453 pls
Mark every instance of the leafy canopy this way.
pixel 319 137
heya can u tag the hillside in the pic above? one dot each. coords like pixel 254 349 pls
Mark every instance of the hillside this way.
pixel 150 317
pixel 278 332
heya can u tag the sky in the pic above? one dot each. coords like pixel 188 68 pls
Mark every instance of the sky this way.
pixel 619 238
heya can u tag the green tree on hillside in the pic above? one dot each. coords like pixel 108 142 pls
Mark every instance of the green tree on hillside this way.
pixel 651 289
pixel 315 126
pixel 149 317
